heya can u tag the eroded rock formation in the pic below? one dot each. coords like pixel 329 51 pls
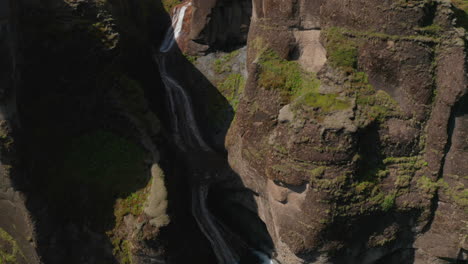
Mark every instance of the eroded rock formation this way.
pixel 351 165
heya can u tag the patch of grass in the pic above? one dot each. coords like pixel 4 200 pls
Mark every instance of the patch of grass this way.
pixel 191 59
pixel 222 65
pixel 169 4
pixel 400 160
pixel 459 193
pixel 232 87
pixel 105 33
pixel 388 202
pixel 294 84
pixel 326 102
pixel 364 187
pixel 133 204
pixel 427 185
pixel 342 51
pixel 317 172
pixel 461 12
pixel 279 74
pixel 461 4
pixel 9 249
pixel 122 250
pixel 374 105
pixel 431 30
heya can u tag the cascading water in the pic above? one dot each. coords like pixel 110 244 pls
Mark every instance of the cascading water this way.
pixel 188 138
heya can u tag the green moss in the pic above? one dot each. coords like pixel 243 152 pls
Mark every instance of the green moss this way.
pixel 133 204
pixel 122 250
pixel 403 181
pixel 105 34
pixel 232 88
pixel 341 50
pixel 427 185
pixel 317 172
pixel 4 130
pixel 294 84
pixel 461 12
pixel 283 168
pixel 412 160
pixel 222 64
pixel 458 193
pixel 334 185
pixel 364 187
pixel 191 59
pixel 431 30
pixel 371 171
pixel 279 74
pixel 374 105
pixel 169 4
pixel 388 202
pixel 342 45
pixel 326 102
pixel 280 149
pixel 9 249
pixel 461 197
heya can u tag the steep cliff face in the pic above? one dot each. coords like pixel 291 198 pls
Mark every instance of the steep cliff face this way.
pixel 349 128
pixel 87 93
pixel 16 230
pixel 215 25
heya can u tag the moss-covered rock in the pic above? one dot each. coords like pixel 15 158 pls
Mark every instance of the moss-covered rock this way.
pixel 10 252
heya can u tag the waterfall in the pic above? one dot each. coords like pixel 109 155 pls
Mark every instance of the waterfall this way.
pixel 182 112
pixel 179 101
pixel 207 225
pixel 173 32
pixel 264 258
pixel 188 137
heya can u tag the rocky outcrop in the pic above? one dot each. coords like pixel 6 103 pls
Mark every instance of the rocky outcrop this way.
pixel 352 156
pixel 215 25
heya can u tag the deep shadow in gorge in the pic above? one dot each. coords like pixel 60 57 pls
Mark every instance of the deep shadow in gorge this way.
pixel 239 224
pixel 75 142
pixel 68 118
pixel 203 167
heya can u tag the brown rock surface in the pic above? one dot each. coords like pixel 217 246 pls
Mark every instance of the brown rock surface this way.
pixel 354 185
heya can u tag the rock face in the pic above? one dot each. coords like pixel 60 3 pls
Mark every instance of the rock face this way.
pixel 360 162
pixel 66 87
pixel 215 25
pixel 17 243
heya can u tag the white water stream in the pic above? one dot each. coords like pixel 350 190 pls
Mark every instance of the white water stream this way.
pixel 188 137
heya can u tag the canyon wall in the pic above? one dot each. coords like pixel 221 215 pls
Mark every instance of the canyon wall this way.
pixel 17 243
pixel 79 95
pixel 350 130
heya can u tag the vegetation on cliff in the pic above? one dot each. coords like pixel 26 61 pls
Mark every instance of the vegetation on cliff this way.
pixel 10 252
pixel 169 4
pixel 294 84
